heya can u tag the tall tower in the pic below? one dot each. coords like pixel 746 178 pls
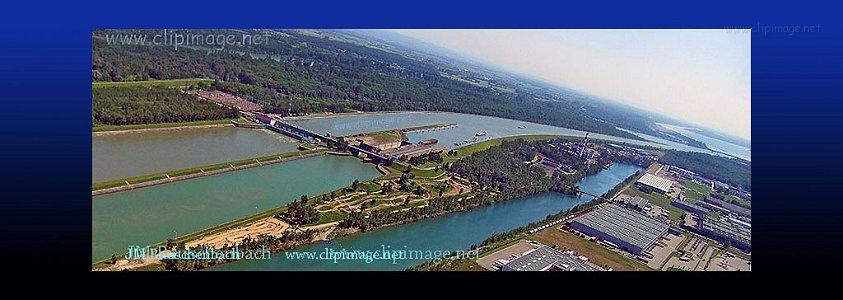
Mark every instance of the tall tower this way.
pixel 584 144
pixel 290 110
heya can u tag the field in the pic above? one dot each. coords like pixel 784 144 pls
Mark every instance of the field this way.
pixel 396 170
pixel 695 191
pixel 481 83
pixel 596 254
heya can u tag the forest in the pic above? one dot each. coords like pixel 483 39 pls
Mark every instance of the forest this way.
pixel 305 74
pixel 130 105
pixel 503 169
pixel 729 170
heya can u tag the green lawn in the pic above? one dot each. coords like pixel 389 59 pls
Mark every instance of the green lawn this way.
pixel 369 187
pixel 693 196
pixel 328 217
pixel 695 191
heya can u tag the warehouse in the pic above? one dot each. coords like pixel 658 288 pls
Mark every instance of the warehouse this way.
pixel 650 182
pixel 691 208
pixel 545 258
pixel 626 228
pixel 739 233
pixel 639 203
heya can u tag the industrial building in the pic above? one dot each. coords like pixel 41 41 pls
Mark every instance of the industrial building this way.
pixel 714 208
pixel 265 119
pixel 623 227
pixel 680 171
pixel 743 211
pixel 691 208
pixel 638 203
pixel 545 258
pixel 650 182
pixel 727 228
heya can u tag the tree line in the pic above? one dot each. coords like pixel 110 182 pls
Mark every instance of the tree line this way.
pixel 304 74
pixel 130 105
pixel 733 171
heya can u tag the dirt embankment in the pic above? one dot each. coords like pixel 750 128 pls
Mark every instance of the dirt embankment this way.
pixel 230 237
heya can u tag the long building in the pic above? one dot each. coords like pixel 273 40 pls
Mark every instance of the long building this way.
pixel 736 231
pixel 654 183
pixel 692 208
pixel 626 228
pixel 730 206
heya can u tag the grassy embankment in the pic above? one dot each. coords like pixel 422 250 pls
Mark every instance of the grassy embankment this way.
pixel 163 175
pixel 101 128
pixel 596 253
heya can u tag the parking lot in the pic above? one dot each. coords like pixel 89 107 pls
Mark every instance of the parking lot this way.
pixel 729 262
pixel 694 257
pixel 661 253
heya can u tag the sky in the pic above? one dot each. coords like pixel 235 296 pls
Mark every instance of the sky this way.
pixel 699 76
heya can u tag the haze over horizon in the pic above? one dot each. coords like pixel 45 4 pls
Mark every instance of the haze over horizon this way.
pixel 700 76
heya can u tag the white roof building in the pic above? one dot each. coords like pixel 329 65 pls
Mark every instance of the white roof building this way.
pixel 659 183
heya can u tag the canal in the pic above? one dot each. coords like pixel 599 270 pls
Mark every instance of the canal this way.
pixel 153 214
pixel 127 155
pixel 451 232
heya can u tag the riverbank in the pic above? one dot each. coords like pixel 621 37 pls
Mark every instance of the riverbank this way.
pixel 132 129
pixel 119 185
pixel 343 233
pixel 329 231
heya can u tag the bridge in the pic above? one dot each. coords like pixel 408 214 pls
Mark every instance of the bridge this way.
pixel 590 194
pixel 309 136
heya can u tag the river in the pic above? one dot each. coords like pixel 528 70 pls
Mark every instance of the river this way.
pixel 713 143
pixel 457 231
pixel 127 155
pixel 467 127
pixel 153 214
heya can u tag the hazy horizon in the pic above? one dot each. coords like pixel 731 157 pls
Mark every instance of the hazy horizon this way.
pixel 700 76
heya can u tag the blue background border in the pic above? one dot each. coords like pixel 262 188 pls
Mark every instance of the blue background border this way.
pixel 46 54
